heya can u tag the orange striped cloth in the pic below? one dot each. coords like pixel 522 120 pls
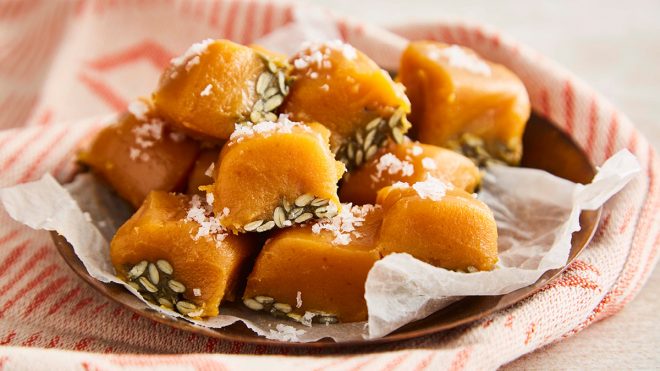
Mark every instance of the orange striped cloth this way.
pixel 64 63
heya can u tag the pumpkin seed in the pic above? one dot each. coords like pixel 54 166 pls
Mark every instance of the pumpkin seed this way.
pixel 397 135
pixel 304 200
pixel 371 151
pixel 252 226
pixel 286 205
pixel 282 307
pixel 269 116
pixel 134 285
pixel 153 274
pixel 320 211
pixel 256 116
pixel 263 81
pixel 373 124
pixel 294 316
pixel 319 202
pixel 176 286
pixel 304 217
pixel 359 156
pixel 281 82
pixel 164 302
pixel 164 266
pixel 261 299
pixel 253 304
pixel 266 226
pixel 270 92
pixel 395 118
pixel 369 139
pixel 273 102
pixel 272 67
pixel 185 307
pixel 295 213
pixel 138 269
pixel 147 285
pixel 279 217
pixel 258 106
pixel 327 320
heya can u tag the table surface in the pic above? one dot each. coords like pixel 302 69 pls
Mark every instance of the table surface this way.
pixel 615 47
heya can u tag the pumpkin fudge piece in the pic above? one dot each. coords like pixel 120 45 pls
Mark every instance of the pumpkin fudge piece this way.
pixel 202 172
pixel 140 153
pixel 439 224
pixel 340 87
pixel 464 102
pixel 316 273
pixel 176 254
pixel 217 83
pixel 408 162
pixel 275 174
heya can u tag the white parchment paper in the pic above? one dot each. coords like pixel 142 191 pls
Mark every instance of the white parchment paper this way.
pixel 536 214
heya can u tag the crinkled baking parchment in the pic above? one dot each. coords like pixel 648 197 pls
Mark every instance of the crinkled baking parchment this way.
pixel 536 214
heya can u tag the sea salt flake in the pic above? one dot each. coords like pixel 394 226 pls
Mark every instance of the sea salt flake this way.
pixel 209 170
pixel 429 164
pixel 265 129
pixel 325 87
pixel 134 153
pixel 457 57
pixel 210 198
pixel 343 225
pixel 391 164
pixel 286 332
pixel 432 188
pixel 139 109
pixel 191 56
pixel 197 292
pixel 307 318
pixel 417 150
pixel 298 299
pixel 206 91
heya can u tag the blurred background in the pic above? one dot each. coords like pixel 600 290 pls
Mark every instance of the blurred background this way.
pixel 615 47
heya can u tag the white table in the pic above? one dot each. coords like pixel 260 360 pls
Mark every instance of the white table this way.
pixel 614 46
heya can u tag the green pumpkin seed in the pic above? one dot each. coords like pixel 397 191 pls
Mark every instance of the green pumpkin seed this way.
pixel 266 226
pixel 176 286
pixel 185 307
pixel 273 102
pixel 304 200
pixel 138 269
pixel 164 266
pixel 263 81
pixel 253 304
pixel 147 285
pixel 252 226
pixel 304 217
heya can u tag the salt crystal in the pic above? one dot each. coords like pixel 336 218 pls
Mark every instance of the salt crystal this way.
pixel 306 319
pixel 134 153
pixel 209 170
pixel 457 57
pixel 392 165
pixel 417 150
pixel 139 109
pixel 286 332
pixel 429 164
pixel 299 299
pixel 266 128
pixel 325 87
pixel 432 188
pixel 210 198
pixel 343 225
pixel 206 91
pixel 193 51
pixel 197 292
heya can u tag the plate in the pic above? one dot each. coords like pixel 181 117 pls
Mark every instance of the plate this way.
pixel 545 147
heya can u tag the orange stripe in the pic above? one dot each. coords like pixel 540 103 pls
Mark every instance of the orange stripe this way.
pixel 27 267
pixel 8 339
pixel 569 107
pixel 545 103
pixel 33 57
pixel 396 362
pixel 13 257
pixel 43 274
pixel 460 360
pixel 231 18
pixel 11 159
pixel 53 342
pixel 41 156
pixel 82 303
pixel 424 364
pixel 66 299
pixel 268 18
pixel 44 294
pixel 83 344
pixel 249 23
pixel 150 50
pixel 593 121
pixel 8 237
pixel 108 97
pixel 32 339
pixel 612 133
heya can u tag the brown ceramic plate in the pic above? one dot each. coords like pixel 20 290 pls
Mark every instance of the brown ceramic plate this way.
pixel 545 148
